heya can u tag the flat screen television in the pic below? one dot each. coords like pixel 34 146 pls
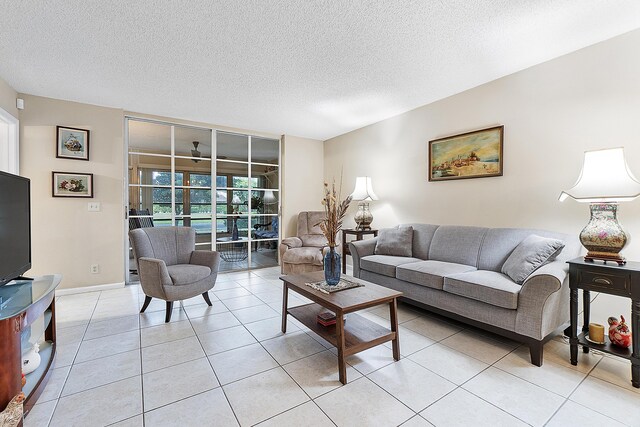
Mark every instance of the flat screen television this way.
pixel 15 226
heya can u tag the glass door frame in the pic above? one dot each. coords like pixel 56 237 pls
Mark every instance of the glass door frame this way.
pixel 213 188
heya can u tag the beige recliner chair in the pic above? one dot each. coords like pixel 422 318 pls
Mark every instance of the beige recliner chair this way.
pixel 304 253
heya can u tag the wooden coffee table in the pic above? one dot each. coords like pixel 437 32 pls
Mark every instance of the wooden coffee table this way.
pixel 357 333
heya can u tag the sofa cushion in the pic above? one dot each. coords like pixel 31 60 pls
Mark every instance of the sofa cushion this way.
pixel 499 243
pixel 487 286
pixel 385 264
pixel 422 236
pixel 184 274
pixel 531 253
pixel 430 273
pixel 394 241
pixel 457 244
pixel 303 255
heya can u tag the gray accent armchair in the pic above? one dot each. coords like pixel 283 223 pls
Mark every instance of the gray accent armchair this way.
pixel 304 253
pixel 169 266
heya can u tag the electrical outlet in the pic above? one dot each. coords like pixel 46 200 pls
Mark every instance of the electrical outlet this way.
pixel 95 268
pixel 93 207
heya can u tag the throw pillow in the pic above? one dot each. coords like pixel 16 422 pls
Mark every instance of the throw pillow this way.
pixel 395 241
pixel 529 255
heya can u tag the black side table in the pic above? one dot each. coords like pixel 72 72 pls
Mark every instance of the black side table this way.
pixel 345 248
pixel 610 279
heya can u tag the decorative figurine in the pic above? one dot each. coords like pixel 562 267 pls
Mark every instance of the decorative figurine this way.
pixel 31 359
pixel 619 332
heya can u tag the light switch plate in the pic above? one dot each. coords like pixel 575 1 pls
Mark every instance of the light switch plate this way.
pixel 94 206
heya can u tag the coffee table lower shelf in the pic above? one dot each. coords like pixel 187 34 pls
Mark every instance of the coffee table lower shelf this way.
pixel 359 332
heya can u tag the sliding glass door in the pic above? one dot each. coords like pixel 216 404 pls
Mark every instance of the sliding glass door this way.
pixel 170 170
pixel 247 199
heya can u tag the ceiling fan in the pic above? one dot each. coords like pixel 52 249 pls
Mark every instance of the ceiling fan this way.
pixel 196 153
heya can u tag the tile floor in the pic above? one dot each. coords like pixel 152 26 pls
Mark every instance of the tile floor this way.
pixel 230 365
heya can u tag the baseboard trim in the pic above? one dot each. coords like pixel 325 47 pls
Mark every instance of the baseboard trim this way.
pixel 84 289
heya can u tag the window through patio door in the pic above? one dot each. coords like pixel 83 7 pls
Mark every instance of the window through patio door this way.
pixel 169 180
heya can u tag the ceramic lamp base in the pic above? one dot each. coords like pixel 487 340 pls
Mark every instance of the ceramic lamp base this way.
pixel 603 236
pixel 602 256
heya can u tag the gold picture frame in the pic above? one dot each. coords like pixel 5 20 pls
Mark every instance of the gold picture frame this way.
pixel 476 154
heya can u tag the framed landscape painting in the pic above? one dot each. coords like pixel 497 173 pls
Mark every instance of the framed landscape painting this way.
pixel 69 184
pixel 476 154
pixel 72 143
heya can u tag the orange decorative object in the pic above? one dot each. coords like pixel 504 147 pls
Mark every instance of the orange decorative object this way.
pixel 619 332
pixel 24 380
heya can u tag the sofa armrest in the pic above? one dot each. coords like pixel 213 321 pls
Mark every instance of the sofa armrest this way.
pixel 153 276
pixel 359 249
pixel 209 259
pixel 543 300
pixel 292 242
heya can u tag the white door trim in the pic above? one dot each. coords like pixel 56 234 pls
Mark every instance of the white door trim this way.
pixel 9 143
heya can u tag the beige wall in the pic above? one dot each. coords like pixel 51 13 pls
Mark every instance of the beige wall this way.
pixel 302 182
pixel 66 237
pixel 552 113
pixel 8 98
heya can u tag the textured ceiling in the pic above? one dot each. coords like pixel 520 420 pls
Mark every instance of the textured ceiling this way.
pixel 307 68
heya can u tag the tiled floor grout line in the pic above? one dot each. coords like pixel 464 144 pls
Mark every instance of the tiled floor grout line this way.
pixel 485 400
pixel 215 374
pixel 583 380
pixel 289 375
pixel 391 395
pixel 568 398
pixel 420 314
pixel 141 367
pixel 460 386
pixel 72 362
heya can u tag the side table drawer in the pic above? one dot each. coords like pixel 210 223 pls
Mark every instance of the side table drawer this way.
pixel 617 284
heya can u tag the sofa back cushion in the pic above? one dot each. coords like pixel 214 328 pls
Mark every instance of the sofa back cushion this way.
pixel 309 230
pixel 173 245
pixel 422 237
pixel 308 222
pixel 499 243
pixel 457 243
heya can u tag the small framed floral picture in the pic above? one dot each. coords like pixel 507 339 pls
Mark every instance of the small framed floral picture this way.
pixel 72 143
pixel 69 184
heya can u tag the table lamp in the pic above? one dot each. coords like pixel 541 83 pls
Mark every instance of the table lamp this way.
pixel 363 193
pixel 269 198
pixel 605 181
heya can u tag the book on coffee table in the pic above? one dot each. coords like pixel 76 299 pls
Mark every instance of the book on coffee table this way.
pixel 326 318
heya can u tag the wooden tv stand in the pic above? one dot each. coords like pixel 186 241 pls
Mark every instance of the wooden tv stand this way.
pixel 22 303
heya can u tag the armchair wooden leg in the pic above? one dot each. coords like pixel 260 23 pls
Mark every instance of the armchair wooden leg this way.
pixel 205 295
pixel 536 351
pixel 147 301
pixel 167 318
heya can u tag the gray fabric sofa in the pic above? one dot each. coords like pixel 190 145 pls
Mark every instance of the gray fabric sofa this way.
pixel 455 271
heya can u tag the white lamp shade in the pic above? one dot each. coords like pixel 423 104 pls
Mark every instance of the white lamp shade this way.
pixel 269 198
pixel 605 177
pixel 364 189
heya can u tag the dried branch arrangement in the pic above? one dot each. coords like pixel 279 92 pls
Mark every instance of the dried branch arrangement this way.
pixel 334 212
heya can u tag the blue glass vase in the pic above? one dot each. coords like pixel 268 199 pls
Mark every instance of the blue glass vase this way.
pixel 332 266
